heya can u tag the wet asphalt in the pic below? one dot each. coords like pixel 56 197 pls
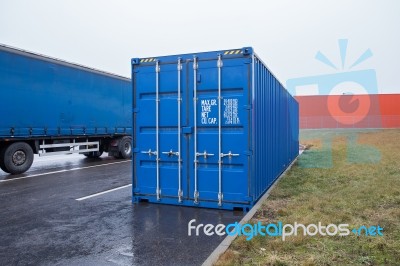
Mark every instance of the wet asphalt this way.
pixel 42 223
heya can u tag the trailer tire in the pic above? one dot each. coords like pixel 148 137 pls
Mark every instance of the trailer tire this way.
pixel 18 157
pixel 93 154
pixel 2 166
pixel 125 148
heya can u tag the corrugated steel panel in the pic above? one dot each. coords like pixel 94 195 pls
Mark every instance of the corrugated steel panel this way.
pixel 43 96
pixel 212 129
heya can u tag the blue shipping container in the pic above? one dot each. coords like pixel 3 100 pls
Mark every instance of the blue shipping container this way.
pixel 212 129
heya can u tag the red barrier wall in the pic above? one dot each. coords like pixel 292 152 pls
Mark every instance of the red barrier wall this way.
pixel 350 111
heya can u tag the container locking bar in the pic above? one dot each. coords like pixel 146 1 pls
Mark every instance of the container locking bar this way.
pixel 205 154
pixel 178 153
pixel 195 66
pixel 158 190
pixel 220 195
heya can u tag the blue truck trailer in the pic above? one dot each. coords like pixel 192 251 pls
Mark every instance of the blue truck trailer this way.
pixel 211 129
pixel 51 107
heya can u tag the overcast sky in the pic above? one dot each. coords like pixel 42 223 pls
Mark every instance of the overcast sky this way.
pixel 286 34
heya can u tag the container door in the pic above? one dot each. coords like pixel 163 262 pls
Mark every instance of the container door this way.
pixel 159 130
pixel 192 132
pixel 219 116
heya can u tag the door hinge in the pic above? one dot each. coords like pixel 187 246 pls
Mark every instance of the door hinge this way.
pixel 249 152
pixel 247 60
pixel 248 107
pixel 248 198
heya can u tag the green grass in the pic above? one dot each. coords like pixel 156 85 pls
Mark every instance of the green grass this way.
pixel 345 177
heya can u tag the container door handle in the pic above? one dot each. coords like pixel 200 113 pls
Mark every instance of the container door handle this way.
pixel 205 154
pixel 229 154
pixel 171 153
pixel 150 153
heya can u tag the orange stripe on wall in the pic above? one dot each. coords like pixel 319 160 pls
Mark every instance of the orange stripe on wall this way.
pixel 390 110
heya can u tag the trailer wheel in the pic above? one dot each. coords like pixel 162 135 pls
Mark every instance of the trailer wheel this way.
pixel 18 157
pixel 2 166
pixel 125 148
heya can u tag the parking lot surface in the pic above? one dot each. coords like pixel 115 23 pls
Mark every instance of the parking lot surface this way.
pixel 70 210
